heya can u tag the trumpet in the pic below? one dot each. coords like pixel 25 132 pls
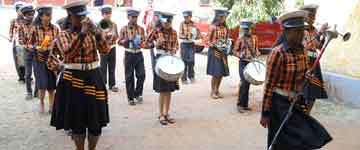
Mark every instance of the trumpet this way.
pixel 105 25
pixel 333 34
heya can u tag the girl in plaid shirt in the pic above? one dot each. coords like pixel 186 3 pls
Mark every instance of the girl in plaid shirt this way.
pixel 217 65
pixel 41 37
pixel 285 75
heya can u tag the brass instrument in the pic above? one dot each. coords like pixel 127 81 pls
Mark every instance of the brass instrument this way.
pixel 105 25
pixel 333 34
pixel 224 45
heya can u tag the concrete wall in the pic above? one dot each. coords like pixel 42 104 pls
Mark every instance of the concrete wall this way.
pixel 340 62
pixel 341 57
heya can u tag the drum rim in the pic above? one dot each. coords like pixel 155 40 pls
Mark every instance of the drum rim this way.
pixel 247 75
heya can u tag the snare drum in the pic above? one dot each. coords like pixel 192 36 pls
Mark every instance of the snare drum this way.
pixel 169 67
pixel 255 72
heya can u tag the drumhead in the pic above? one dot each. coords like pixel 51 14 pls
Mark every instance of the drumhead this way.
pixel 170 64
pixel 256 70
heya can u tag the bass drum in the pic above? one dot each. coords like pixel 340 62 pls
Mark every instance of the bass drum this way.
pixel 255 72
pixel 169 68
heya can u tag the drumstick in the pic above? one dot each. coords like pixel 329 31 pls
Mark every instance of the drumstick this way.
pixel 5 37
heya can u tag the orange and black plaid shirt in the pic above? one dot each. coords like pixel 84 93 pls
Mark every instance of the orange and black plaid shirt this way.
pixel 112 35
pixel 24 31
pixel 81 48
pixel 38 33
pixel 14 27
pixel 312 40
pixel 167 38
pixel 246 47
pixel 285 70
pixel 127 33
pixel 217 33
pixel 186 30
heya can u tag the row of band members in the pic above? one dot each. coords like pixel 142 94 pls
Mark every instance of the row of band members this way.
pixel 81 99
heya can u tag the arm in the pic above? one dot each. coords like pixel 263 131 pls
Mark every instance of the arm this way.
pixel 102 45
pixel 149 40
pixel 11 30
pixel 211 35
pixel 182 34
pixel 236 49
pixel 272 73
pixel 198 33
pixel 123 37
pixel 116 36
pixel 176 42
pixel 31 38
pixel 21 36
pixel 67 42
pixel 312 41
pixel 256 46
pixel 142 38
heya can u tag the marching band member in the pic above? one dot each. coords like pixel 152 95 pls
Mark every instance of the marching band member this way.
pixel 153 23
pixel 166 42
pixel 152 26
pixel 64 23
pixel 41 35
pixel 187 45
pixel 108 61
pixel 285 75
pixel 28 12
pixel 81 99
pixel 217 65
pixel 245 48
pixel 312 42
pixel 17 50
pixel 132 37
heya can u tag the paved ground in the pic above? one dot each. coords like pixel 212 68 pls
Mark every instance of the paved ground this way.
pixel 202 123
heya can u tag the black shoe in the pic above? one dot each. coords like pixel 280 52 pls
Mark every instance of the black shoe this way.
pixel 132 103
pixel 114 89
pixel 241 109
pixel 192 80
pixel 36 94
pixel 184 82
pixel 162 120
pixel 28 96
pixel 169 120
pixel 22 81
pixel 140 99
pixel 248 109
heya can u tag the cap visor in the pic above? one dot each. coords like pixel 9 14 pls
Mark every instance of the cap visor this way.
pixel 83 13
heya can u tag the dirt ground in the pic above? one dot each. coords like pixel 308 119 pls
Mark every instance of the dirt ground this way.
pixel 202 123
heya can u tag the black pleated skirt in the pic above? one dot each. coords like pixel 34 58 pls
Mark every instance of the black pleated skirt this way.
pixel 301 132
pixel 81 101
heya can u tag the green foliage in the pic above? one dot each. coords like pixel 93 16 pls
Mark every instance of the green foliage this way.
pixel 255 10
pixel 299 3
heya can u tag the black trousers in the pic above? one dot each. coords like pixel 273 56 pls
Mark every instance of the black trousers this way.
pixel 20 70
pixel 243 99
pixel 108 64
pixel 188 56
pixel 134 66
pixel 30 60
